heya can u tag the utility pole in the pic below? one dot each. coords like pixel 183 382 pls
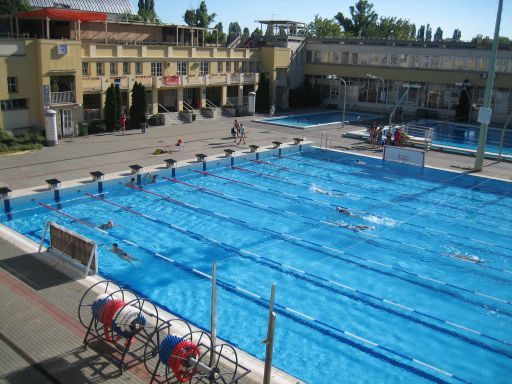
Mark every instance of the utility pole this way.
pixel 488 93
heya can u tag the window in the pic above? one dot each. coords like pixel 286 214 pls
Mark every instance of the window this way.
pixel 204 68
pixel 219 67
pixel 99 69
pixel 237 67
pixel 156 69
pixel 228 67
pixel 13 104
pixel 182 68
pixel 138 68
pixel 12 84
pixel 85 69
pixel 126 68
pixel 113 68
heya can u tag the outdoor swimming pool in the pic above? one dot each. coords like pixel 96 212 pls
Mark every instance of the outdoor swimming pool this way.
pixel 466 136
pixel 317 119
pixel 395 302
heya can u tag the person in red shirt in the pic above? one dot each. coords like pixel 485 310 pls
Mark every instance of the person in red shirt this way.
pixel 123 123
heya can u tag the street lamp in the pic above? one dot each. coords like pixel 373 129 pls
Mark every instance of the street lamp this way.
pixel 334 77
pixel 375 77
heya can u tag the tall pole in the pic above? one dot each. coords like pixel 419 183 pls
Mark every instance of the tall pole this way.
pixel 214 306
pixel 270 337
pixel 488 91
pixel 344 99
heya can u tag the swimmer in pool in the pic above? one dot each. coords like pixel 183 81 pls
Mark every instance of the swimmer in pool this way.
pixel 472 259
pixel 122 254
pixel 324 191
pixel 108 225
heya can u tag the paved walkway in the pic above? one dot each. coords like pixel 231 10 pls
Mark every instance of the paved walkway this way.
pixel 40 336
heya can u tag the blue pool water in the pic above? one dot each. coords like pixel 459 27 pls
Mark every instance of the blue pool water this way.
pixel 466 136
pixel 316 119
pixel 393 303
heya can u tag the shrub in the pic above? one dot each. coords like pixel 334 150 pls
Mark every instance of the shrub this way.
pixel 6 137
pixel 97 126
pixel 3 147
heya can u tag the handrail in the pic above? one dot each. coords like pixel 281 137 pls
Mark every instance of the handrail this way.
pixel 165 109
pixel 210 104
pixel 188 107
pixel 228 103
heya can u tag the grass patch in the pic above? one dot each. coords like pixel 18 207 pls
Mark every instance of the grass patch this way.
pixel 25 142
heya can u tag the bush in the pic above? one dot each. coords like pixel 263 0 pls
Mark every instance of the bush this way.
pixel 30 138
pixel 97 126
pixel 3 147
pixel 6 137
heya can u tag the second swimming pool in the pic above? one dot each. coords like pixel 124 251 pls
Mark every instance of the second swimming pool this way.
pixel 408 281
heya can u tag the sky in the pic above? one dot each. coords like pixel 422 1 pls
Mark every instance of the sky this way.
pixel 472 17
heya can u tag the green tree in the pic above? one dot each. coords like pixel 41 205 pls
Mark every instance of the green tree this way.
pixel 234 31
pixel 246 32
pixel 421 34
pixel 438 36
pixel 324 28
pixel 256 32
pixel 11 7
pixel 138 108
pixel 147 10
pixel 109 110
pixel 456 35
pixel 428 33
pixel 212 38
pixel 362 21
pixel 412 35
pixel 394 28
pixel 118 106
pixel 263 94
pixel 199 17
pixel 463 109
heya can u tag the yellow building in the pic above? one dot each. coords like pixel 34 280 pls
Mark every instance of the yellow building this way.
pixel 74 56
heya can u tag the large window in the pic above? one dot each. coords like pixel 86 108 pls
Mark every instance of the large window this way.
pixel 13 104
pixel 12 84
pixel 100 71
pixel 156 69
pixel 113 68
pixel 182 68
pixel 85 69
pixel 138 68
pixel 204 68
pixel 126 68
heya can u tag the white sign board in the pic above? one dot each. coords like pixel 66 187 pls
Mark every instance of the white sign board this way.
pixel 404 155
pixel 484 115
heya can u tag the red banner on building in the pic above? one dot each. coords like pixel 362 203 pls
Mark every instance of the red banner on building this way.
pixel 171 80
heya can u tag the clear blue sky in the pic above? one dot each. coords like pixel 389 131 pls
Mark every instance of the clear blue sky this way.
pixel 470 16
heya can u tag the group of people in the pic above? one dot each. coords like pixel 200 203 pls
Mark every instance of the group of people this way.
pixel 395 137
pixel 238 132
pixel 115 247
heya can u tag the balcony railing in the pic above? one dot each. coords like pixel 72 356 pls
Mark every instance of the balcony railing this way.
pixel 62 97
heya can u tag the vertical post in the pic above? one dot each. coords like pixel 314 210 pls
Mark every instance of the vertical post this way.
pixel 232 161
pixel 502 138
pixel 204 166
pixel 344 100
pixel 139 179
pixel 173 172
pixel 43 236
pixel 48 28
pixel 213 320
pixel 270 337
pixel 482 137
pixel 100 186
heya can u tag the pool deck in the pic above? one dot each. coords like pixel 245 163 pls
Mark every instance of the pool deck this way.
pixel 41 337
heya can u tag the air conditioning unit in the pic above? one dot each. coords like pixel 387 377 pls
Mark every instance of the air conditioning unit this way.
pixel 62 49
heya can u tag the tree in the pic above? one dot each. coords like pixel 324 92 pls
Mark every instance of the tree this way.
pixel 256 32
pixel 220 31
pixel 118 106
pixel 109 111
pixel 11 7
pixel 412 36
pixel 362 21
pixel 428 33
pixel 199 17
pixel 438 36
pixel 456 35
pixel 421 34
pixel 394 28
pixel 138 108
pixel 324 28
pixel 147 10
pixel 263 94
pixel 463 109
pixel 246 32
pixel 234 31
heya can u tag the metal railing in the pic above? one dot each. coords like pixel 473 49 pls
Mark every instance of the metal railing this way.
pixel 188 108
pixel 232 101
pixel 211 105
pixel 62 97
pixel 419 134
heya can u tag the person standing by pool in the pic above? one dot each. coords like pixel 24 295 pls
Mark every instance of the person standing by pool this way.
pixel 389 135
pixel 241 133
pixel 234 130
pixel 396 140
pixel 373 135
pixel 379 136
pixel 123 123
pixel 272 110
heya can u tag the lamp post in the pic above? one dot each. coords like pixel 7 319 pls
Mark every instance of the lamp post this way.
pixel 334 77
pixel 482 137
pixel 375 77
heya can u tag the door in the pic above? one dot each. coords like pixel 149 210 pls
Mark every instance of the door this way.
pixel 67 122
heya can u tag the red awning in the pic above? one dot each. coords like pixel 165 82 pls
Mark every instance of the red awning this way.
pixel 63 14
